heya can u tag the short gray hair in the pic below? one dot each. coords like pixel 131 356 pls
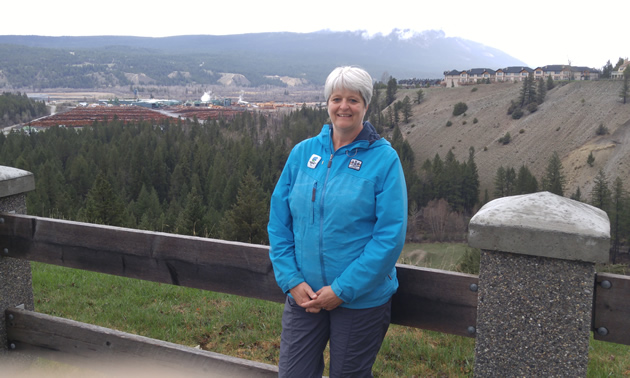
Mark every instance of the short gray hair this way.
pixel 352 78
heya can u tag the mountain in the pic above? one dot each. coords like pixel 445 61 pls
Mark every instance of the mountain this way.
pixel 102 61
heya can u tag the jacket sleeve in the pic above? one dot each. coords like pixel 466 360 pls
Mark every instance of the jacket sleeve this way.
pixel 381 253
pixel 280 229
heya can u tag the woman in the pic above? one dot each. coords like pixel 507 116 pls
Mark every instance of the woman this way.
pixel 337 226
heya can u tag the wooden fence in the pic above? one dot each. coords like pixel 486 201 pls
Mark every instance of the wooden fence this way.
pixel 429 299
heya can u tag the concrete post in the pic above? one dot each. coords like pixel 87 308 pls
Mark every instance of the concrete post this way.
pixel 536 284
pixel 16 287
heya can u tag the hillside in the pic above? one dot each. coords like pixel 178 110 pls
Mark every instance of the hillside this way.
pixel 566 122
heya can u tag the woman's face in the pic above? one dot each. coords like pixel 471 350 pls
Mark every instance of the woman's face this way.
pixel 346 109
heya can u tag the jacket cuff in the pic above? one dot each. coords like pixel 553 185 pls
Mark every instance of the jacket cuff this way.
pixel 338 291
pixel 293 283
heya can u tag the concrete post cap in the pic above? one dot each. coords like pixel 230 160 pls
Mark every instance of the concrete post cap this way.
pixel 542 224
pixel 15 181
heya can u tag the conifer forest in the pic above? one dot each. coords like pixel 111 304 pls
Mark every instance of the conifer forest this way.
pixel 214 178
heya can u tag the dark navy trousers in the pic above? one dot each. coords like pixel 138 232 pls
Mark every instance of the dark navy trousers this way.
pixel 355 337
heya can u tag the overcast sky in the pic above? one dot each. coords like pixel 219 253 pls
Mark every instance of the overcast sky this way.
pixel 535 32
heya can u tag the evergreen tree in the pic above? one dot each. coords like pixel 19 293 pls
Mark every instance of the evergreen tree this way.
pixel 618 217
pixel 541 92
pixel 391 121
pixel 500 183
pixel 392 87
pixel 79 177
pixel 55 200
pixel 601 194
pixel 419 96
pixel 407 160
pixel 554 180
pixel 577 195
pixel 190 220
pixel 470 182
pixel 550 83
pixel 427 183
pixel 625 86
pixel 528 91
pixel 525 181
pixel 406 109
pixel 103 205
pixel 452 181
pixel 146 209
pixel 510 181
pixel 607 70
pixel 247 220
pixel 486 198
pixel 437 172
pixel 375 107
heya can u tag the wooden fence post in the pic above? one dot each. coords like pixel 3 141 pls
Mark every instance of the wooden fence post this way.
pixel 536 284
pixel 16 287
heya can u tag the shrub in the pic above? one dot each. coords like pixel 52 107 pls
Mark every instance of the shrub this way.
pixel 591 159
pixel 449 123
pixel 475 120
pixel 517 114
pixel 601 130
pixel 521 131
pixel 532 107
pixel 470 261
pixel 512 108
pixel 460 108
pixel 474 89
pixel 505 139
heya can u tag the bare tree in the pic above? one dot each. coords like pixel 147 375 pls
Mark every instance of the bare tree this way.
pixel 436 216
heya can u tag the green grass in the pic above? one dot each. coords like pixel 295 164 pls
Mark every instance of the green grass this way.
pixel 608 359
pixel 227 324
pixel 433 255
pixel 249 328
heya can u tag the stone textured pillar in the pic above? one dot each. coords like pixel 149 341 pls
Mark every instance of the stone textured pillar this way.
pixel 16 287
pixel 536 284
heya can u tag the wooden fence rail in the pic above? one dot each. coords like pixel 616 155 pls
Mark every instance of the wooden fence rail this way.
pixel 428 298
pixel 100 348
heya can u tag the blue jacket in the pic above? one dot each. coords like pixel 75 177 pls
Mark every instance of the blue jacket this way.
pixel 339 218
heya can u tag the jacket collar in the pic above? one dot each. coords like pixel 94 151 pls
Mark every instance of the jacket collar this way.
pixel 368 133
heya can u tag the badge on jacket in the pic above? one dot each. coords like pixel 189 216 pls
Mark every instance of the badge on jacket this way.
pixel 355 164
pixel 312 162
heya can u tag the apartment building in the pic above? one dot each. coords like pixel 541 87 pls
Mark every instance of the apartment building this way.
pixel 456 78
pixel 618 75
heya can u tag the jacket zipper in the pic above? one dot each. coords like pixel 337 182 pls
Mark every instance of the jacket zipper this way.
pixel 314 195
pixel 321 222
